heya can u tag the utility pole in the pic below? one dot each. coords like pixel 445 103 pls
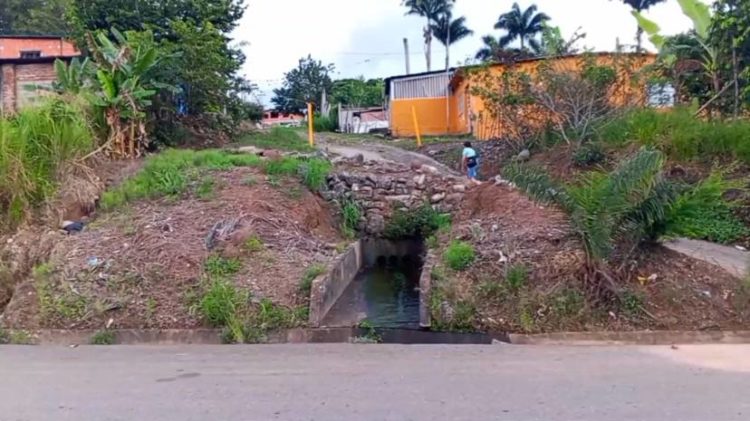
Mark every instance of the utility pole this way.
pixel 406 56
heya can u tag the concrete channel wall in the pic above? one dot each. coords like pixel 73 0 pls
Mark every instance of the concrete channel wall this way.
pixel 329 287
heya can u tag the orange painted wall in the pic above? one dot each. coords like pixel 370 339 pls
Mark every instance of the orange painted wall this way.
pixel 49 47
pixel 431 114
pixel 484 127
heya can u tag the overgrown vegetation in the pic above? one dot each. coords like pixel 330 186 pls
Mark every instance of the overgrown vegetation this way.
pixel 680 134
pixel 351 215
pixel 103 337
pixel 305 284
pixel 224 305
pixel 38 146
pixel 421 222
pixel 282 138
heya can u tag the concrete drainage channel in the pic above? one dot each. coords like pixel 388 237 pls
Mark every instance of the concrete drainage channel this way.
pixel 382 288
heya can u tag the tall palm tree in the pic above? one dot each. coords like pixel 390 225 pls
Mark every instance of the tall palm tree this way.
pixel 524 25
pixel 640 6
pixel 431 11
pixel 449 31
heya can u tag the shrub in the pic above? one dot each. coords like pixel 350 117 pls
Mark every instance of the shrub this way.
pixel 421 222
pixel 222 303
pixel 459 255
pixel 35 148
pixel 588 154
pixel 622 207
pixel 323 123
pixel 103 337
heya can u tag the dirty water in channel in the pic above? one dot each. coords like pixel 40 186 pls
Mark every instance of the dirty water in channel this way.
pixel 386 294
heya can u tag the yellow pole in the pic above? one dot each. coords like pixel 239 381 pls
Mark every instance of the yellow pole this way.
pixel 310 134
pixel 416 126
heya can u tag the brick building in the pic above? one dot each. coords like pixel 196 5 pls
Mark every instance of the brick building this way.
pixel 26 65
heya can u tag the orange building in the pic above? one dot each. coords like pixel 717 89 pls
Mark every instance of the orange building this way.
pixel 27 67
pixel 446 102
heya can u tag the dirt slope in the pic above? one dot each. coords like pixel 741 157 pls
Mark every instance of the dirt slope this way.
pixel 140 267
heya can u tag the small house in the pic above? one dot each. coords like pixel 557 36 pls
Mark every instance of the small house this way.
pixel 27 67
pixel 447 103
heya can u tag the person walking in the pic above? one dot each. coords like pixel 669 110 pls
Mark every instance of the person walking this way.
pixel 470 162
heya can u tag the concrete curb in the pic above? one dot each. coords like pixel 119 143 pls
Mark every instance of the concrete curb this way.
pixel 632 338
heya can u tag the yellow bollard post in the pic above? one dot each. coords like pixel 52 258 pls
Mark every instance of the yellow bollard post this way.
pixel 310 132
pixel 416 126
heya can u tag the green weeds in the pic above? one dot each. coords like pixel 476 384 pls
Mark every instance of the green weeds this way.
pixel 459 255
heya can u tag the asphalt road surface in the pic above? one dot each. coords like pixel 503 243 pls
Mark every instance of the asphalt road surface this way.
pixel 375 382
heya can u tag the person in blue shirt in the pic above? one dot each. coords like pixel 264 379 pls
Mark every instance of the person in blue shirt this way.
pixel 470 162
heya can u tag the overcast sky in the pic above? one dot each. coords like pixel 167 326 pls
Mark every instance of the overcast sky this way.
pixel 364 37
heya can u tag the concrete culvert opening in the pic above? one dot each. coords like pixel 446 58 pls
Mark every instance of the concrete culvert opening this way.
pixel 385 291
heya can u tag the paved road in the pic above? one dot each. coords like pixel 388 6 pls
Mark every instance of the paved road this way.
pixel 375 382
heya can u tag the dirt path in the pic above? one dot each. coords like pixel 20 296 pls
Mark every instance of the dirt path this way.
pixel 729 258
pixel 380 152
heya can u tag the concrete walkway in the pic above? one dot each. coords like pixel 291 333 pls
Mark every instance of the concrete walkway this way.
pixel 375 382
pixel 729 258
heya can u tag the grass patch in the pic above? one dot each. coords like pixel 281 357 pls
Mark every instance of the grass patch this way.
pixel 517 277
pixel 282 138
pixel 36 145
pixel 351 215
pixel 312 172
pixel 206 188
pixel 254 244
pixel 103 337
pixel 305 284
pixel 222 303
pixel 170 173
pixel 680 134
pixel 459 255
pixel 56 302
pixel 219 267
pixel 421 222
pixel 249 181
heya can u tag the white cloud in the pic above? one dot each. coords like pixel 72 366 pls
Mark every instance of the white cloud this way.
pixel 364 37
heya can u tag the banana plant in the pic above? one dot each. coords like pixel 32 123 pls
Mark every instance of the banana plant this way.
pixel 72 78
pixel 123 89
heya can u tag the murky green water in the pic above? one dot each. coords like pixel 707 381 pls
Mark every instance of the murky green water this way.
pixel 385 294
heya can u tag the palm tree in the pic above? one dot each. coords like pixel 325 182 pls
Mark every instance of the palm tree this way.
pixel 430 10
pixel 496 50
pixel 449 31
pixel 640 6
pixel 524 25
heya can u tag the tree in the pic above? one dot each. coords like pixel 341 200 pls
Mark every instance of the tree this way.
pixel 358 92
pixel 730 35
pixel 449 31
pixel 34 17
pixel 207 65
pixel 306 83
pixel 522 25
pixel 640 6
pixel 496 50
pixel 431 10
pixel 553 43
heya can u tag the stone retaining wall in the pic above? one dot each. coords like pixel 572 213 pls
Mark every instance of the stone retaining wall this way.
pixel 381 188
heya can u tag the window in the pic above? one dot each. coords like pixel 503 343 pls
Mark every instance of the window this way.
pixel 661 95
pixel 31 54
